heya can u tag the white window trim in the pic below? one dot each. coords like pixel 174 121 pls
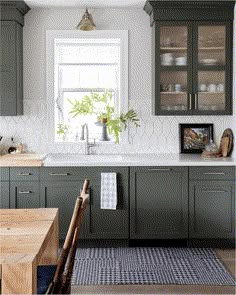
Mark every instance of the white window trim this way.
pixel 51 35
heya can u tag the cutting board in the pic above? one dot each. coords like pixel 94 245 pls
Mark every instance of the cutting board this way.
pixel 21 160
pixel 226 143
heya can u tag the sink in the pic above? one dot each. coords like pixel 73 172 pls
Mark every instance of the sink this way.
pixel 78 159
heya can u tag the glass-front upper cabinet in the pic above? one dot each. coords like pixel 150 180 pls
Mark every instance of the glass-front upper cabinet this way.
pixel 212 69
pixel 174 71
pixel 192 56
pixel 193 69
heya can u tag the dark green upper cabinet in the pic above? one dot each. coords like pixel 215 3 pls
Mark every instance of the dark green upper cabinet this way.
pixel 192 57
pixel 11 57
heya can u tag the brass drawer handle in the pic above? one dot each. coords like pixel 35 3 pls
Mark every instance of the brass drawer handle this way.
pixel 209 191
pixel 214 173
pixel 159 169
pixel 190 101
pixel 59 174
pixel 196 101
pixel 25 192
pixel 24 174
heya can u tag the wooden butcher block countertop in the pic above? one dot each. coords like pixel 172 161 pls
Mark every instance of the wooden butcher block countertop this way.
pixel 22 160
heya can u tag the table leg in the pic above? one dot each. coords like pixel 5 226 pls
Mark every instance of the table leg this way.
pixel 50 252
pixel 19 278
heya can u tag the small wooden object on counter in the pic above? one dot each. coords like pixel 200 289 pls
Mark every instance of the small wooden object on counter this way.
pixel 226 143
pixel 226 146
pixel 22 160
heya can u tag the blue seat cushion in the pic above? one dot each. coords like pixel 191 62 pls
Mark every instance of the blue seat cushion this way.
pixel 45 274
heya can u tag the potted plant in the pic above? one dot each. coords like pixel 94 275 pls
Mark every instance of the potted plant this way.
pixel 62 130
pixel 101 105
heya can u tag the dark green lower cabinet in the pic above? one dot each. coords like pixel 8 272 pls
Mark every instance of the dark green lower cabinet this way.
pixel 25 194
pixel 159 202
pixel 58 192
pixel 103 223
pixel 62 195
pixel 212 209
pixel 4 188
pixel 4 195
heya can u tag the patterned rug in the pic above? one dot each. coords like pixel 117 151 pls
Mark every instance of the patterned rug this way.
pixel 127 266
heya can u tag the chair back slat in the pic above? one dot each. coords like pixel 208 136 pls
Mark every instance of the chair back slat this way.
pixel 69 267
pixel 63 274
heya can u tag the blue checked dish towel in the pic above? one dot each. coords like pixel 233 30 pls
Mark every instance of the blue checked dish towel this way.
pixel 108 191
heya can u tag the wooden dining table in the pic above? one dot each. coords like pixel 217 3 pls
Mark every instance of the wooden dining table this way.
pixel 28 238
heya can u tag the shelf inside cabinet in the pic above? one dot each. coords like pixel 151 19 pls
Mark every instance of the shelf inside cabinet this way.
pixel 211 93
pixel 173 48
pixel 211 48
pixel 173 92
pixel 205 67
pixel 173 68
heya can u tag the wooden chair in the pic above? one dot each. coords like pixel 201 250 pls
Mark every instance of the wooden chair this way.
pixel 56 279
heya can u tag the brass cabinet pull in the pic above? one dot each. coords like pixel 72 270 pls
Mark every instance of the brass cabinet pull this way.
pixel 59 174
pixel 195 101
pixel 190 101
pixel 159 169
pixel 209 191
pixel 25 192
pixel 214 173
pixel 24 174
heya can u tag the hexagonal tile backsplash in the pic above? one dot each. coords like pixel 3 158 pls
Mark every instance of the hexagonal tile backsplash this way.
pixel 157 134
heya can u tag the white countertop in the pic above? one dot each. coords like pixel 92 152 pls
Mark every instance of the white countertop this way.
pixel 135 160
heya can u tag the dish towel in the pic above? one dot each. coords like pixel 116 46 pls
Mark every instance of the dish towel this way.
pixel 108 191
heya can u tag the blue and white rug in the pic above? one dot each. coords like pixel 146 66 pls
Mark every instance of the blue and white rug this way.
pixel 127 266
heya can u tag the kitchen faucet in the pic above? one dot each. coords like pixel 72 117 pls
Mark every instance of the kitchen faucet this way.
pixel 88 145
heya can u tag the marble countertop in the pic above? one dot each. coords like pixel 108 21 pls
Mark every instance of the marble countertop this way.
pixel 135 160
pixel 60 160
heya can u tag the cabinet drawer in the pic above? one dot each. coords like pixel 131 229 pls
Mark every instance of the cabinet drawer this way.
pixel 24 173
pixel 212 173
pixel 25 194
pixel 80 173
pixel 4 174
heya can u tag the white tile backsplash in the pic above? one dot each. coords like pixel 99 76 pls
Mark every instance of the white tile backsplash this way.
pixel 157 134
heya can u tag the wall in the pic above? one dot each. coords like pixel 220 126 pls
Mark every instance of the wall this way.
pixel 156 134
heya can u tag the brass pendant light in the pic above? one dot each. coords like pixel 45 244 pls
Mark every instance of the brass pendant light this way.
pixel 86 23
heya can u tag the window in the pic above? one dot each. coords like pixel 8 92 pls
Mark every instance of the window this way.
pixel 85 63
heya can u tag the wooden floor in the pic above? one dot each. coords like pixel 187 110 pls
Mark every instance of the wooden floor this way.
pixel 227 256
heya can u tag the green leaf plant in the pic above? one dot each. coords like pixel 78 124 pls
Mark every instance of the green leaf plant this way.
pixel 62 128
pixel 101 105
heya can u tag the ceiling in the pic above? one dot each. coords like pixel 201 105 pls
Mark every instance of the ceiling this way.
pixel 86 3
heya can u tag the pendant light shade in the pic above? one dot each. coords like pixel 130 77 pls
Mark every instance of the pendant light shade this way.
pixel 86 23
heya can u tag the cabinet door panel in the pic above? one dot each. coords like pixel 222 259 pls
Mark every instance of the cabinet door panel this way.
pixel 4 195
pixel 212 209
pixel 159 203
pixel 61 195
pixel 24 195
pixel 105 223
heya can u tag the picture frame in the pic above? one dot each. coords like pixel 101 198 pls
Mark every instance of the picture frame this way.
pixel 194 137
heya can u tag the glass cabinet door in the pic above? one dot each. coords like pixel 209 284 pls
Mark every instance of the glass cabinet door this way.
pixel 211 66
pixel 173 75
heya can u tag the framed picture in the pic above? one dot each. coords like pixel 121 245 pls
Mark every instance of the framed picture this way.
pixel 194 137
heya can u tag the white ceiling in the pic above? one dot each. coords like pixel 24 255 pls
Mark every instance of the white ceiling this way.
pixel 86 3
